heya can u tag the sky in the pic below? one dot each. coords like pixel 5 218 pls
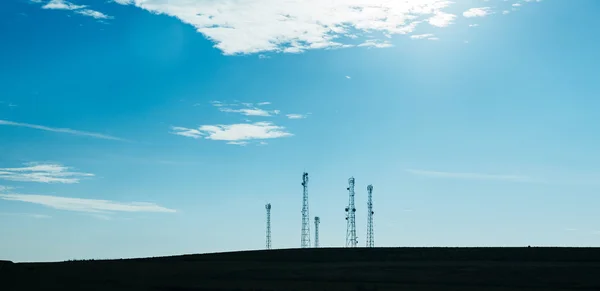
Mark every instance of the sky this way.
pixel 163 127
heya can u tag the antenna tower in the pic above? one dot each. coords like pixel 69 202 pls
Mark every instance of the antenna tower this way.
pixel 370 235
pixel 305 239
pixel 268 207
pixel 351 239
pixel 317 221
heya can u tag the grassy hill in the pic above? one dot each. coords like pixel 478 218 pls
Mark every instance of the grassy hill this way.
pixel 411 269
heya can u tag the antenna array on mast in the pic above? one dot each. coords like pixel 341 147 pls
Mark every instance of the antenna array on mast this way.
pixel 370 234
pixel 351 239
pixel 268 207
pixel 305 237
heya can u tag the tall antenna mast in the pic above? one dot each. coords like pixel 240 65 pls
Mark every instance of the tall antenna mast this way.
pixel 317 221
pixel 370 235
pixel 268 207
pixel 351 239
pixel 305 239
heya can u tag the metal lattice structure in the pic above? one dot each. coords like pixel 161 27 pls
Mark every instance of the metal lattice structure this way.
pixel 268 207
pixel 305 237
pixel 370 234
pixel 317 221
pixel 351 239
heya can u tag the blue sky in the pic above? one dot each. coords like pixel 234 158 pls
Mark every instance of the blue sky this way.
pixel 164 127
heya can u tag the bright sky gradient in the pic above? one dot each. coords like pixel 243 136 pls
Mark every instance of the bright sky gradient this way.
pixel 155 127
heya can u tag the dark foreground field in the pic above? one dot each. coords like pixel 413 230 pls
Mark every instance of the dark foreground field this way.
pixel 410 269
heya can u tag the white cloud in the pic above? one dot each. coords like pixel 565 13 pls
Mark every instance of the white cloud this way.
pixel 473 25
pixel 421 36
pixel 234 132
pixel 441 19
pixel 505 12
pixel 62 5
pixel 348 77
pixel 254 26
pixel 61 130
pixel 124 2
pixel 295 116
pixel 85 205
pixel 477 12
pixel 516 5
pixel 376 44
pixel 42 173
pixel 263 103
pixel 433 38
pixel 93 13
pixel 468 176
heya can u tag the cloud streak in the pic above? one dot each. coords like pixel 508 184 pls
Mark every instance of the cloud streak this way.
pixel 60 130
pixel 62 5
pixel 234 132
pixel 79 9
pixel 86 205
pixel 295 116
pixel 42 173
pixel 249 110
pixel 31 215
pixel 468 176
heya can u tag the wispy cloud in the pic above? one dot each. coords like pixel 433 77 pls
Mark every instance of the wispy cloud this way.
pixel 234 132
pixel 240 143
pixel 295 116
pixel 85 205
pixel 477 12
pixel 42 173
pixel 247 111
pixel 375 44
pixel 61 130
pixel 348 77
pixel 79 9
pixel 468 176
pixel 62 5
pixel 428 36
pixel 94 14
pixel 249 108
pixel 31 215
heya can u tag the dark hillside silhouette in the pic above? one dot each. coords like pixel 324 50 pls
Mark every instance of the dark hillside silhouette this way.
pixel 411 269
